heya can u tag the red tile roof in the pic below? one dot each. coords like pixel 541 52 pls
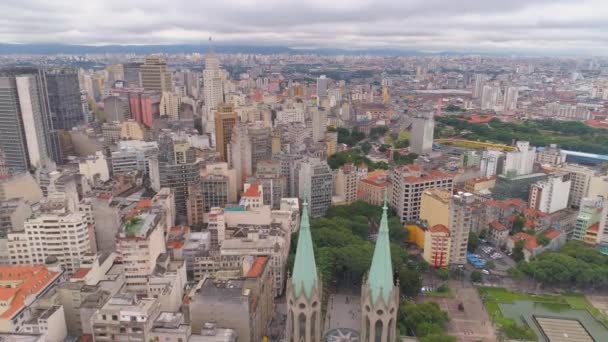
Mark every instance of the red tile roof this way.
pixel 257 267
pixel 439 228
pixel 252 191
pixel 30 279
pixel 498 226
pixel 552 233
pixel 81 272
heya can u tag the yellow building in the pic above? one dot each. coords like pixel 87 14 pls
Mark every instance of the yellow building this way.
pixel 225 120
pixel 133 130
pixel 371 188
pixel 435 206
pixel 435 243
pixel 478 184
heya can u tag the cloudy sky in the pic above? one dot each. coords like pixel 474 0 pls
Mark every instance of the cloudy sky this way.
pixel 551 26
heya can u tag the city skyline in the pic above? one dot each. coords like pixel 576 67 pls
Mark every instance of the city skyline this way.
pixel 465 26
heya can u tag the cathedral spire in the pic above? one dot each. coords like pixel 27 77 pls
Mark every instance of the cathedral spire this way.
pixel 380 277
pixel 304 268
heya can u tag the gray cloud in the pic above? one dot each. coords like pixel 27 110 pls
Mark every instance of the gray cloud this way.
pixel 554 26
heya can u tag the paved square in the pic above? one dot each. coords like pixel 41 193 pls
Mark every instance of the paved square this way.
pixel 344 311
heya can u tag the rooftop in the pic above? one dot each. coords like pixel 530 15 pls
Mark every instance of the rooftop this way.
pixel 25 281
pixel 257 267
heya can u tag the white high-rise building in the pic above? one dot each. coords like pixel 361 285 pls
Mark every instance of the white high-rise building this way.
pixel 479 82
pixel 511 95
pixel 319 123
pixel 521 162
pixel 490 162
pixel 321 87
pixel 213 90
pixel 170 104
pixel 68 237
pixel 490 97
pixel 423 128
pixel 550 195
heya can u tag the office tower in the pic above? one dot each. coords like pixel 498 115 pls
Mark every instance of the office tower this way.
pixel 64 98
pixel 131 72
pixel 250 143
pixel 490 97
pixel 581 178
pixel 170 104
pixel 321 88
pixel 274 185
pixel 144 107
pixel 379 294
pixel 4 171
pixel 521 161
pixel 155 76
pixel 511 95
pixel 288 164
pixel 304 289
pixel 176 168
pixel 195 206
pixel 319 123
pixel 491 163
pixel 479 82
pixel 26 129
pixel 66 237
pixel 423 128
pixel 213 90
pixel 116 108
pixel 408 183
pixel 346 182
pixel 315 181
pixel 225 120
pixel 139 243
pixel 550 195
pixel 133 155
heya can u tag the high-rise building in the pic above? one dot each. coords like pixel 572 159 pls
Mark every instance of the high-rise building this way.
pixel 408 183
pixel 64 98
pixel 139 243
pixel 177 168
pixel 439 207
pixel 170 104
pixel 379 294
pixel 250 143
pixel 521 161
pixel 491 162
pixel 155 76
pixel 225 120
pixel 551 156
pixel 304 289
pixel 511 95
pixel 588 220
pixel 213 89
pixel 321 88
pixel 550 195
pixel 315 180
pixel 346 182
pixel 144 107
pixel 319 124
pixel 131 73
pixel 478 83
pixel 66 237
pixel 26 128
pixel 133 155
pixel 581 178
pixel 288 164
pixel 490 97
pixel 274 185
pixel 423 128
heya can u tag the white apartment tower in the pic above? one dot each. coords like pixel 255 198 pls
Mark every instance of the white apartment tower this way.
pixel 213 90
pixel 423 128
pixel 550 195
pixel 521 161
pixel 511 95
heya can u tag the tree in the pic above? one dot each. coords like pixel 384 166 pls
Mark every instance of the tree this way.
pixel 366 147
pixel 410 281
pixel 397 233
pixel 412 315
pixel 491 265
pixel 452 108
pixel 443 274
pixel 476 276
pixel 518 251
pixel 438 338
pixel 542 240
pixel 518 224
pixel 473 242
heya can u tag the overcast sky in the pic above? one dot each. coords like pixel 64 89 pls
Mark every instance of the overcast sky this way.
pixel 551 26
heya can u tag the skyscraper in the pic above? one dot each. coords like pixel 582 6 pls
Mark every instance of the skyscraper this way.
pixel 213 90
pixel 478 84
pixel 321 88
pixel 489 97
pixel 64 98
pixel 177 168
pixel 423 128
pixel 154 75
pixel 511 95
pixel 132 77
pixel 225 120
pixel 315 178
pixel 26 129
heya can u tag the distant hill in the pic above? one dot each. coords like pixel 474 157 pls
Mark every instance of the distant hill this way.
pixel 51 49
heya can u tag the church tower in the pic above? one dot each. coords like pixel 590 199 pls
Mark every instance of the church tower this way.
pixel 304 290
pixel 379 295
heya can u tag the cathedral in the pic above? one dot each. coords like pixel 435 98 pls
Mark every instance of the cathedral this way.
pixel 379 294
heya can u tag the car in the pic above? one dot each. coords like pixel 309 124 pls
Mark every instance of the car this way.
pixel 486 272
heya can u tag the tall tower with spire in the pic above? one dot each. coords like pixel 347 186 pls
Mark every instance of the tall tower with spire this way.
pixel 379 295
pixel 304 290
pixel 213 91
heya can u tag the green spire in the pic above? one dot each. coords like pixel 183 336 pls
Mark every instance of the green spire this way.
pixel 304 268
pixel 380 277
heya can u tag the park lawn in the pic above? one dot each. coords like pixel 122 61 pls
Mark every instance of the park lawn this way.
pixel 494 296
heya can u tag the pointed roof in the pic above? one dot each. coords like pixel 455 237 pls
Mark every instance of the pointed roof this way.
pixel 380 277
pixel 304 268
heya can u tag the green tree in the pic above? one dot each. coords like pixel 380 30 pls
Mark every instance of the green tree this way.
pixel 490 265
pixel 542 240
pixel 412 315
pixel 476 276
pixel 366 147
pixel 410 281
pixel 518 224
pixel 518 251
pixel 397 233
pixel 473 242
pixel 438 338
pixel 452 108
pixel 443 274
